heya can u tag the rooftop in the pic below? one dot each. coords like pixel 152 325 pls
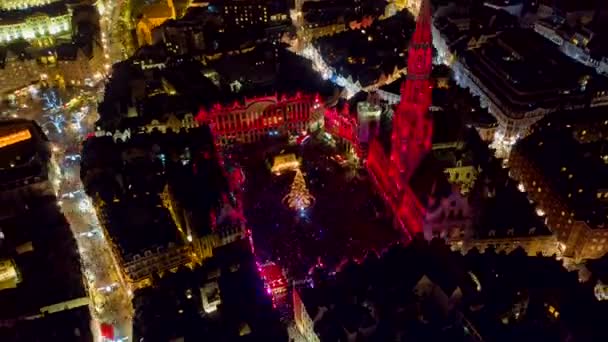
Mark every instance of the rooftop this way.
pixel 40 244
pixel 68 325
pixel 24 151
pixel 373 296
pixel 494 222
pixel 524 71
pixel 165 311
pixel 139 224
pixel 574 172
pixel 137 171
pixel 366 54
pixel 256 73
pixel 500 295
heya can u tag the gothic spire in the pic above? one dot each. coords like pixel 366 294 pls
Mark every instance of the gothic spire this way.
pixel 422 35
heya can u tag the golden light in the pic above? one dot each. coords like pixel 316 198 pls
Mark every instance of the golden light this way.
pixel 298 198
pixel 15 138
pixel 284 162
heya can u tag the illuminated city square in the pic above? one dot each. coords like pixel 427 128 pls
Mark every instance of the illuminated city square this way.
pixel 303 171
pixel 338 225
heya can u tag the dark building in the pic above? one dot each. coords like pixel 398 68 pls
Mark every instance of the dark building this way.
pixel 25 165
pixel 426 292
pixel 562 166
pixel 162 198
pixel 254 13
pixel 41 286
pixel 224 300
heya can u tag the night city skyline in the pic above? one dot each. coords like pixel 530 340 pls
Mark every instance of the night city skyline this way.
pixel 303 171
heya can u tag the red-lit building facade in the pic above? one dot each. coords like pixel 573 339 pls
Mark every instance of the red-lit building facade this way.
pixel 341 125
pixel 252 119
pixel 412 132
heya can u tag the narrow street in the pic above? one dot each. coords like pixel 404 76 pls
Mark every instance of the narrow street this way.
pixel 109 293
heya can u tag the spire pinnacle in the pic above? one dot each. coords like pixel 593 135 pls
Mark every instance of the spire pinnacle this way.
pixel 422 35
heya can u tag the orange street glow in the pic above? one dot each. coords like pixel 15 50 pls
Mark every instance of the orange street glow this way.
pixel 15 138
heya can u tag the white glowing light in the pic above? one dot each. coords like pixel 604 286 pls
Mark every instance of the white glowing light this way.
pixel 326 72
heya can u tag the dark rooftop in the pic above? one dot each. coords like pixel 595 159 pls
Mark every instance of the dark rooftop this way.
pixel 572 171
pixel 525 71
pixel 364 55
pixel 49 269
pixel 27 156
pixel 496 222
pixel 140 224
pixel 68 326
pixel 162 312
pixel 135 173
pixel 375 295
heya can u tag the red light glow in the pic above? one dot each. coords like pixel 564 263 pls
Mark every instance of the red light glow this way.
pixel 273 278
pixel 412 132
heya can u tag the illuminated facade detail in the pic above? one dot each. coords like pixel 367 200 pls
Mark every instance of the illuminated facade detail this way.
pixel 569 192
pixel 601 291
pixel 18 73
pixel 153 16
pixel 210 295
pixel 37 27
pixel 304 322
pixel 9 276
pixel 412 132
pixel 284 162
pixel 14 138
pixel 261 117
pixel 274 279
pixel 314 31
pixel 8 5
pixel 368 118
pixel 577 238
pixel 139 268
pixel 448 218
pixel 341 125
pixel 298 198
pixel 412 6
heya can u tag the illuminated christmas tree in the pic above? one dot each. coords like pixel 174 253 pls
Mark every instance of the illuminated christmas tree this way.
pixel 298 197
